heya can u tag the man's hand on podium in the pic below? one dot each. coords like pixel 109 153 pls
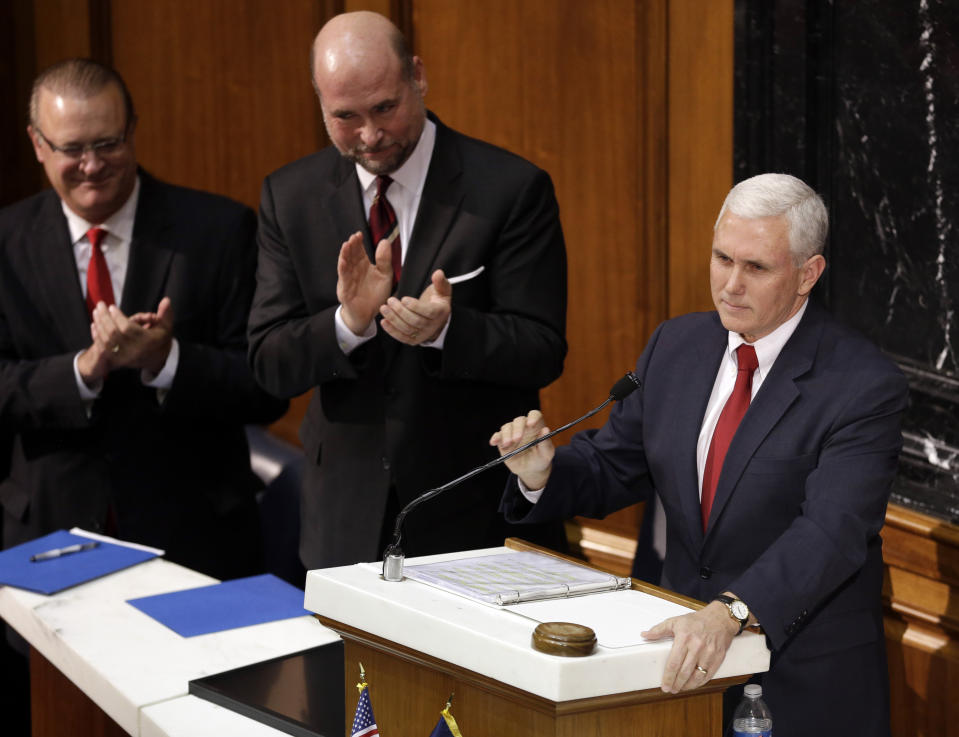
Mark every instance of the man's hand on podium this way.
pixel 700 642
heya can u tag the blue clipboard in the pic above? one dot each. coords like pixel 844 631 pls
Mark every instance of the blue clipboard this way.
pixel 56 574
pixel 224 606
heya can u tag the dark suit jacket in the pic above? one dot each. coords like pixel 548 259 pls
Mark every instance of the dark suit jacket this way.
pixel 177 473
pixel 402 416
pixel 794 529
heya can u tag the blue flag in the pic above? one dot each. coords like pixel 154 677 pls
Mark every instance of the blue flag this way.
pixel 446 726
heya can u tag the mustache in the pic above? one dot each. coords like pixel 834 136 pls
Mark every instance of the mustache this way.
pixel 361 149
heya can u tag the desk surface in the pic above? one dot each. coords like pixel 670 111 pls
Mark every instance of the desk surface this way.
pixel 134 668
pixel 494 641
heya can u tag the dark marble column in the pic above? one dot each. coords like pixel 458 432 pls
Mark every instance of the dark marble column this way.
pixel 860 98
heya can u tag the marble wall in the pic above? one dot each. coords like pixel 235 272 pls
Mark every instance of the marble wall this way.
pixel 861 99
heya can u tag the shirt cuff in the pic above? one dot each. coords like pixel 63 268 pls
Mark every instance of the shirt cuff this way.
pixel 164 380
pixel 438 342
pixel 86 393
pixel 345 338
pixel 532 495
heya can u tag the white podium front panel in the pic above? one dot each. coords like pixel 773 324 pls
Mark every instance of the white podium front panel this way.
pixel 495 641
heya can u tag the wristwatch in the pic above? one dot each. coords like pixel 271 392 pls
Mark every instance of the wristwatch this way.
pixel 737 610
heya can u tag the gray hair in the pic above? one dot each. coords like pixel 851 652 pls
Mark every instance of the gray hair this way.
pixel 81 77
pixel 772 195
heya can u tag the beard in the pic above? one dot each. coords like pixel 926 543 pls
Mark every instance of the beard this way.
pixel 361 155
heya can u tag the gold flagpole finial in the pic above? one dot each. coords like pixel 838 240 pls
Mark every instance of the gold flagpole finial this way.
pixel 362 684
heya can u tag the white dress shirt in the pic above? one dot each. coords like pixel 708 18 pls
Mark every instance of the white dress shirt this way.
pixel 404 195
pixel 116 251
pixel 767 348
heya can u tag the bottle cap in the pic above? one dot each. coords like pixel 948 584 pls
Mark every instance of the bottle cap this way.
pixel 753 690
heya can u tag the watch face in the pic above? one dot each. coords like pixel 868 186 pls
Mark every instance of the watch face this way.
pixel 740 610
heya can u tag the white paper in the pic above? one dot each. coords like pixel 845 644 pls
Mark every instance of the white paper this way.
pixel 115 541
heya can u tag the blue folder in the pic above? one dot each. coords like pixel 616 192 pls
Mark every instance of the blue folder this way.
pixel 224 606
pixel 56 574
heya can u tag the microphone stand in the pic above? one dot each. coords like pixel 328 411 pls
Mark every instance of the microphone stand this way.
pixel 393 557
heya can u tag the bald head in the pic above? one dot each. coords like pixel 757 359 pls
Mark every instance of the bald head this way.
pixel 359 40
pixel 371 90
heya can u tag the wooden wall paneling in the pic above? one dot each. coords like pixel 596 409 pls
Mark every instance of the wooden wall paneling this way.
pixel 34 35
pixel 611 543
pixel 701 46
pixel 224 96
pixel 75 713
pixel 921 599
pixel 222 88
pixel 580 90
pixel 556 83
pixel 61 30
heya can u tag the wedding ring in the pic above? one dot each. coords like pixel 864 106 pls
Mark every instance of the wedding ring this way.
pixel 116 348
pixel 702 670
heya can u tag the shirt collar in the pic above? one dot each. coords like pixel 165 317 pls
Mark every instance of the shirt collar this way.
pixel 769 346
pixel 119 224
pixel 412 173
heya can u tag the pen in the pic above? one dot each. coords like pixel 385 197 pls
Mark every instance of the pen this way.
pixel 57 552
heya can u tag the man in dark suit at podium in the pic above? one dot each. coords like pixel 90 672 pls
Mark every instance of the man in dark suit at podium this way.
pixel 771 435
pixel 123 374
pixel 401 273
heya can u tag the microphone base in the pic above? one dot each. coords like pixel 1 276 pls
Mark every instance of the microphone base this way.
pixel 393 566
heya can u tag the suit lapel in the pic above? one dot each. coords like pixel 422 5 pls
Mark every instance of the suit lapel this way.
pixel 152 249
pixel 439 205
pixel 51 254
pixel 700 375
pixel 345 207
pixel 771 402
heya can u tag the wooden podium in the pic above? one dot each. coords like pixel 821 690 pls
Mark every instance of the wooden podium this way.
pixel 419 644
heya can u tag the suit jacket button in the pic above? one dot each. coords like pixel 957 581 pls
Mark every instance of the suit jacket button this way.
pixel 705 573
pixel 386 464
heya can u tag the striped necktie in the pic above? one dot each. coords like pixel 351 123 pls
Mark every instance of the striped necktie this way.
pixel 383 224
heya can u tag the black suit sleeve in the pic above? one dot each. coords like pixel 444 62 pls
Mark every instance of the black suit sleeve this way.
pixel 213 378
pixel 293 346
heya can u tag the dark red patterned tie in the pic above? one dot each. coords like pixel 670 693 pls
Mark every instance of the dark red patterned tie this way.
pixel 729 419
pixel 383 224
pixel 99 286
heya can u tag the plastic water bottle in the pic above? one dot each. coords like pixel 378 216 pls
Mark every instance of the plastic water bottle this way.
pixel 752 717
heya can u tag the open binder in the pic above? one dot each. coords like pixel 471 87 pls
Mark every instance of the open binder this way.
pixel 515 577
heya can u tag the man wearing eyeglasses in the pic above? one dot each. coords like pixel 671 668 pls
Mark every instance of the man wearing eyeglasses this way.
pixel 123 377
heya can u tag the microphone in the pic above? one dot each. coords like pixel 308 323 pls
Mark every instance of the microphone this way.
pixel 393 556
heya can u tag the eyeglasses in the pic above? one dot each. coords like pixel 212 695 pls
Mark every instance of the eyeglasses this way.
pixel 75 151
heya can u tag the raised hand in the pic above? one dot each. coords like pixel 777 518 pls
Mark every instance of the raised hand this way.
pixel 362 287
pixel 534 465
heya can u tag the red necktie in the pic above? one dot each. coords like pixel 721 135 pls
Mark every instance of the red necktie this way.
pixel 99 286
pixel 383 224
pixel 729 419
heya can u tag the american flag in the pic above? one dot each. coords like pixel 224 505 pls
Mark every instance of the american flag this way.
pixel 364 724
